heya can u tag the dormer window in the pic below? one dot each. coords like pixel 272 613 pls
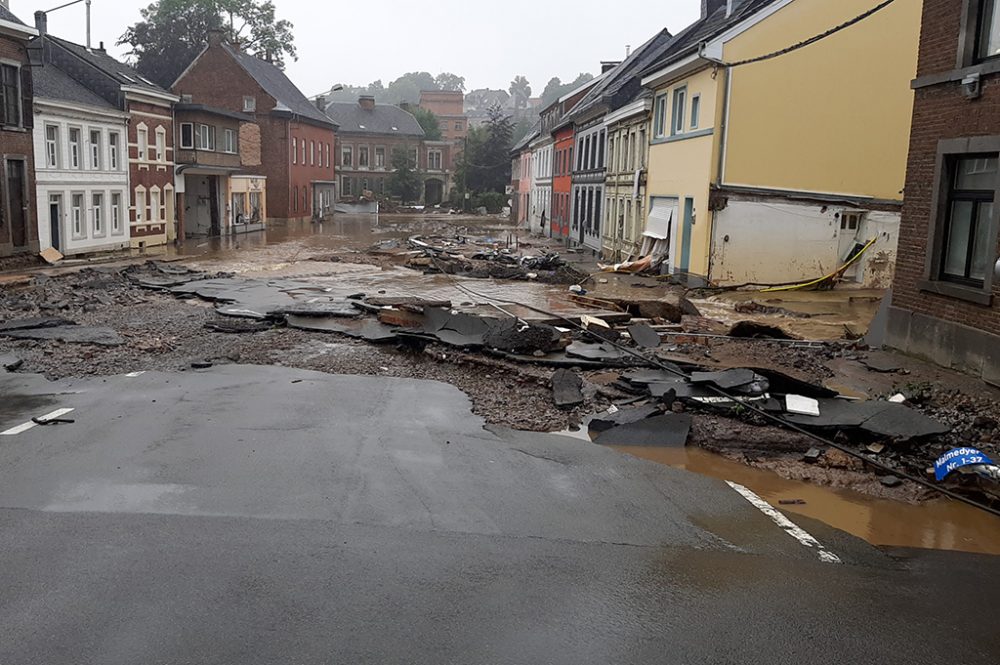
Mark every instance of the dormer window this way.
pixel 249 104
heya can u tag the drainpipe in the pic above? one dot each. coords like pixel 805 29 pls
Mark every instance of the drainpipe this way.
pixel 720 161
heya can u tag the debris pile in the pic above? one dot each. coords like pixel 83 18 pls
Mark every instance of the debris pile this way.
pixel 483 259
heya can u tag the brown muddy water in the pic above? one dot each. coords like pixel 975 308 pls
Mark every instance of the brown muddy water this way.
pixel 937 524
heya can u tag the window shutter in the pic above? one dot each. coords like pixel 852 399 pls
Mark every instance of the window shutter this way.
pixel 27 97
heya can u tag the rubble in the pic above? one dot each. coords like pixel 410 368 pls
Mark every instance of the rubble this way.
pixel 567 388
pixel 671 429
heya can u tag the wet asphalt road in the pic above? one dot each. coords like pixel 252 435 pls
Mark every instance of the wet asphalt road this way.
pixel 265 515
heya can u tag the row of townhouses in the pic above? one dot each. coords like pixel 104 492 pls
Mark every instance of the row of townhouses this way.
pixel 776 141
pixel 97 158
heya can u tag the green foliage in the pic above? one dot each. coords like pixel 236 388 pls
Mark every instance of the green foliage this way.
pixel 556 88
pixel 484 166
pixel 451 82
pixel 428 122
pixel 404 181
pixel 173 32
pixel 405 89
pixel 494 202
pixel 520 90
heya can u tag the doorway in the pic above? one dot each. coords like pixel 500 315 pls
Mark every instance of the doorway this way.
pixel 55 221
pixel 17 191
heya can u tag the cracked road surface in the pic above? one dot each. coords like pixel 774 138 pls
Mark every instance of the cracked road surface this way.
pixel 246 514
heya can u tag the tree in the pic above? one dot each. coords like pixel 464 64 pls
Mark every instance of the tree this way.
pixel 520 90
pixel 451 82
pixel 552 91
pixel 428 122
pixel 484 166
pixel 173 32
pixel 404 181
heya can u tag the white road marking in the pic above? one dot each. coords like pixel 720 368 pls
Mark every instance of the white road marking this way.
pixel 24 427
pixel 786 524
pixel 132 375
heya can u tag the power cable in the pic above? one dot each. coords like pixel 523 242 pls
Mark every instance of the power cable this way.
pixel 812 40
pixel 736 399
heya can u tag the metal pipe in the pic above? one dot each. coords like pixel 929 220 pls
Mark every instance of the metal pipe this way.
pixel 88 25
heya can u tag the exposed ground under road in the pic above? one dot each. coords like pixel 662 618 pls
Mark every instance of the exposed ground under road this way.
pixel 262 515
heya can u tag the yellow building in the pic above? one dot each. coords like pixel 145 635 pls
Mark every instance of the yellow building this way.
pixel 778 169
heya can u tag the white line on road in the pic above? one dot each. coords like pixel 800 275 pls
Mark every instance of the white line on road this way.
pixel 132 375
pixel 24 427
pixel 789 526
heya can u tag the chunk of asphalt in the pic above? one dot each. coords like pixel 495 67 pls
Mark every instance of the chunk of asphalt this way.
pixel 325 309
pixel 34 322
pixel 10 362
pixel 201 364
pixel 643 335
pixel 413 301
pixel 754 330
pixel 726 379
pixel 602 422
pixel 235 326
pixel 881 364
pixel 812 455
pixel 567 388
pixel 554 359
pixel 370 331
pixel 783 384
pixel 646 376
pixel 890 481
pixel 588 351
pixel 884 418
pixel 671 429
pixel 74 334
pixel 514 336
pixel 455 329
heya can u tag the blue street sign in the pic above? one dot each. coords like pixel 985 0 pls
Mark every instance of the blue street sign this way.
pixel 956 458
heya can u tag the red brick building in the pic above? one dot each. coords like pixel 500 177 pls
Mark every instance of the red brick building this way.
pixel 562 181
pixel 449 107
pixel 297 138
pixel 18 215
pixel 944 304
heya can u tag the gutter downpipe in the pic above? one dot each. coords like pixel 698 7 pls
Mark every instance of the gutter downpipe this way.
pixel 723 134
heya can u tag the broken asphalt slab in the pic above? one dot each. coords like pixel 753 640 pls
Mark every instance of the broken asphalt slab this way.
pixel 34 322
pixel 670 429
pixel 10 362
pixel 605 420
pixel 71 334
pixel 725 379
pixel 643 335
pixel 567 388
pixel 370 331
pixel 883 418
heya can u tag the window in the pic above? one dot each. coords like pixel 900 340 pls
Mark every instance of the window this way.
pixel 302 146
pixel 140 205
pixel 142 140
pixel 695 110
pixel 347 156
pixel 52 146
pixel 345 186
pixel 458 125
pixel 249 104
pixel 305 206
pixel 10 95
pixel 312 153
pixel 295 153
pixel 295 198
pixel 95 149
pixel 600 149
pixel 74 148
pixel 642 147
pixel 229 141
pixel 116 215
pixel 850 221
pixel 98 213
pixel 206 137
pixel 988 40
pixel 363 156
pixel 327 150
pixel 414 157
pixel 434 160
pixel 660 116
pixel 154 205
pixel 677 114
pixel 632 152
pixel 187 135
pixel 161 145
pixel 113 150
pixel 965 252
pixel 77 214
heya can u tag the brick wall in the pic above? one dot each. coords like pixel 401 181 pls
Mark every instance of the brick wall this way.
pixel 146 173
pixel 940 112
pixel 250 144
pixel 17 144
pixel 215 157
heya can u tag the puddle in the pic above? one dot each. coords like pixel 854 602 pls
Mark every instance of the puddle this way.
pixel 14 407
pixel 938 524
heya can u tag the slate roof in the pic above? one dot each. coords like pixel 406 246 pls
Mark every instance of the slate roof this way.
pixel 278 85
pixel 628 70
pixel 532 133
pixel 50 82
pixel 383 119
pixel 688 40
pixel 119 71
pixel 6 15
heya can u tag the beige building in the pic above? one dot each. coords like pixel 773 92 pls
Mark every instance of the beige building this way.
pixel 625 182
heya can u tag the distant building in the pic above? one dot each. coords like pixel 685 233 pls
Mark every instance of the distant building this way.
pixel 522 179
pixel 448 106
pixel 297 138
pixel 18 225
pixel 82 166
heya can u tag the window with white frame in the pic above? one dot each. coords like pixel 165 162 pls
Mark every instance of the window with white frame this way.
pixel 76 214
pixel 345 186
pixel 97 213
pixel 642 147
pixel 380 156
pixel 10 95
pixel 229 141
pixel 434 160
pixel 695 110
pixel 187 136
pixel 154 205
pixel 52 146
pixel 74 148
pixel 140 205
pixel 660 116
pixel 161 145
pixel 678 111
pixel 302 145
pixel 363 160
pixel 116 212
pixel 95 149
pixel 142 140
pixel 249 104
pixel 206 138
pixel 113 150
pixel 312 153
pixel 295 152
pixel 326 149
pixel 347 155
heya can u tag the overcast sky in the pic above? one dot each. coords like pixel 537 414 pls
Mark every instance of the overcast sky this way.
pixel 356 43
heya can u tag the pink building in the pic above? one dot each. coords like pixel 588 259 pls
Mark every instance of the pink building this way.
pixel 521 180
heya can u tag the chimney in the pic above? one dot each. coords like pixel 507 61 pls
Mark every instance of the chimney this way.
pixel 367 102
pixel 216 37
pixel 100 47
pixel 41 20
pixel 708 7
pixel 608 65
pixel 628 50
pixel 321 102
pixel 732 6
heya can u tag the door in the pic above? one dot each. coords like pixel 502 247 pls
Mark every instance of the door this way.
pixel 17 190
pixel 686 238
pixel 215 227
pixel 55 221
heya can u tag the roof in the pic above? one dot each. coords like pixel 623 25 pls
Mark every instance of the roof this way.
pixel 689 39
pixel 624 72
pixel 6 15
pixel 50 82
pixel 383 119
pixel 99 59
pixel 523 143
pixel 12 25
pixel 214 110
pixel 274 82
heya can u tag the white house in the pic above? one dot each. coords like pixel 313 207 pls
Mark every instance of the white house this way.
pixel 81 163
pixel 541 183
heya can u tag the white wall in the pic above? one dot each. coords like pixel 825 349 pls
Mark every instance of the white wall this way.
pixel 85 181
pixel 774 241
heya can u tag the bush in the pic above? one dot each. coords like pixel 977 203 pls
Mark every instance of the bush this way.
pixel 494 202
